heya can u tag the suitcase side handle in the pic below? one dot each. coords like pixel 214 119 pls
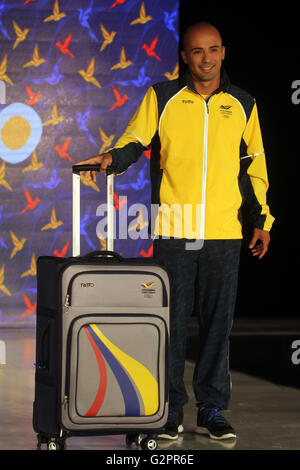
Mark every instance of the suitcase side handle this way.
pixel 91 167
pixel 42 364
pixel 94 254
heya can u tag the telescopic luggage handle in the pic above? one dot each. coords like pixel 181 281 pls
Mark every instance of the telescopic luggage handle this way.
pixel 76 169
pixel 91 167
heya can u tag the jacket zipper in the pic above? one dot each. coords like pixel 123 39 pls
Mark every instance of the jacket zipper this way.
pixel 204 170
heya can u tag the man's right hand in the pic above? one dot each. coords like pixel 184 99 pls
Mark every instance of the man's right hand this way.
pixel 105 159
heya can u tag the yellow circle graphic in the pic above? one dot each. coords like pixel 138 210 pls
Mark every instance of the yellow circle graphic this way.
pixel 15 132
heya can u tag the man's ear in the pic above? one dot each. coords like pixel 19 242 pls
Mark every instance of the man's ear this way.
pixel 223 52
pixel 183 55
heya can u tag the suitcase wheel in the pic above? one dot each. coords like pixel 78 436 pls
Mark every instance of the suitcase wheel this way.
pixel 133 439
pixel 41 439
pixel 52 444
pixel 149 443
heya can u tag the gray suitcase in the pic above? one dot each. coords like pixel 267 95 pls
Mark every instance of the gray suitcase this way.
pixel 102 342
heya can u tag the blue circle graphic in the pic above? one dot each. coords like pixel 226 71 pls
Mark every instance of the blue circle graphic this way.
pixel 36 130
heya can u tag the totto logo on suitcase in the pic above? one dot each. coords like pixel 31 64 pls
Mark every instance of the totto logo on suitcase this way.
pixel 102 338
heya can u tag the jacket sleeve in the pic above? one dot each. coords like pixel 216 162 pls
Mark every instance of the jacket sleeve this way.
pixel 254 178
pixel 138 134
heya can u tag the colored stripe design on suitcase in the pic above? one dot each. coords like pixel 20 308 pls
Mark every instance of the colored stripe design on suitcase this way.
pixel 94 409
pixel 139 388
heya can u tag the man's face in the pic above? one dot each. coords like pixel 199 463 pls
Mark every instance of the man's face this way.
pixel 203 53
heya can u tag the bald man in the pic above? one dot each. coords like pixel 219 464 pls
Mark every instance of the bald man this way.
pixel 207 161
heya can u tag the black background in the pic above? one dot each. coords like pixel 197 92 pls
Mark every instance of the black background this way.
pixel 263 57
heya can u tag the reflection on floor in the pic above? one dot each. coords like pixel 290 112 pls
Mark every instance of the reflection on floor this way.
pixel 266 416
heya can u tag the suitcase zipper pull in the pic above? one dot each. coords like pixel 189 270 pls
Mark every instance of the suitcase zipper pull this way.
pixel 67 303
pixel 65 401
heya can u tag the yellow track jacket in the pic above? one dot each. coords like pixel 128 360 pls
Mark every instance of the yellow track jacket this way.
pixel 207 159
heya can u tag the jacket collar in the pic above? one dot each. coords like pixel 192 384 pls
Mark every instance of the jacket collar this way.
pixel 224 82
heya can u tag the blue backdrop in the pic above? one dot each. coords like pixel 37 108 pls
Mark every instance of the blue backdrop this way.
pixel 72 73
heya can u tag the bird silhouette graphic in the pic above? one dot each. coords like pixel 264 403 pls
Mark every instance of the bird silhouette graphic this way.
pixel 2 242
pixel 36 60
pixel 150 49
pixel 32 269
pixel 54 223
pixel 3 181
pixel 55 119
pixel 123 64
pixel 108 37
pixel 88 75
pixel 3 288
pixel 54 180
pixel 62 253
pixel 35 165
pixel 62 151
pixel 31 203
pixel 56 15
pixel 3 67
pixel 82 119
pixel 85 220
pixel 54 78
pixel 173 75
pixel 21 34
pixel 119 203
pixel 2 28
pixel 148 253
pixel 18 244
pixel 86 179
pixel 33 98
pixel 83 18
pixel 102 240
pixel 64 47
pixel 141 223
pixel 142 19
pixel 117 2
pixel 169 19
pixel 140 182
pixel 31 308
pixel 120 100
pixel 107 140
pixel 141 80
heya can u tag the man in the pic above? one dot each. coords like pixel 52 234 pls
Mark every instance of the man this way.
pixel 207 159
